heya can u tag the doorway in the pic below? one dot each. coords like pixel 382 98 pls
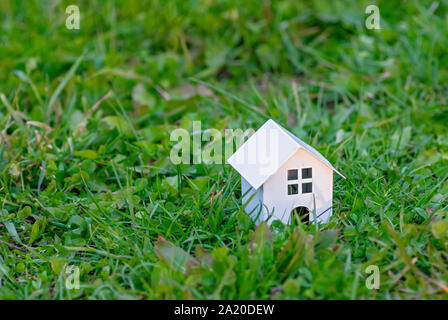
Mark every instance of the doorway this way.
pixel 300 213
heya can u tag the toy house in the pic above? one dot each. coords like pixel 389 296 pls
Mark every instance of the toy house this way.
pixel 282 176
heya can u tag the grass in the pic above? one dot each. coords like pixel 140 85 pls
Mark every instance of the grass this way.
pixel 85 176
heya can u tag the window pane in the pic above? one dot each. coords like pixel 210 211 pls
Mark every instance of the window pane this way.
pixel 293 174
pixel 307 173
pixel 293 189
pixel 307 187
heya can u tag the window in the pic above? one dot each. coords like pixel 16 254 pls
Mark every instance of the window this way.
pixel 293 189
pixel 293 174
pixel 307 187
pixel 307 173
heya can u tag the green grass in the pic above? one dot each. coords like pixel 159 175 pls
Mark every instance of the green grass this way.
pixel 91 184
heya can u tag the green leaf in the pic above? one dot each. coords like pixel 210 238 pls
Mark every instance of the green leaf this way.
pixel 87 154
pixel 326 238
pixel 78 178
pixel 171 184
pixel 24 213
pixel 12 231
pixel 140 184
pixel 422 212
pixel 291 256
pixel 222 264
pixel 78 225
pixel 175 257
pixel 57 264
pixel 440 229
pixel 400 139
pixel 291 287
pixel 141 96
pixel 118 123
pixel 148 147
pixel 203 256
pixel 261 243
pixel 14 170
pixel 35 232
pixel 199 184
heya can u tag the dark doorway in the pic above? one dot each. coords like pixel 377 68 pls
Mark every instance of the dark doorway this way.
pixel 300 213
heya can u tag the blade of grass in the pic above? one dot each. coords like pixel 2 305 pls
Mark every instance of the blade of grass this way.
pixel 63 83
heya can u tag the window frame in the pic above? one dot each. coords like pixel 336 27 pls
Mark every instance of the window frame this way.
pixel 307 170
pixel 305 187
pixel 291 189
pixel 296 174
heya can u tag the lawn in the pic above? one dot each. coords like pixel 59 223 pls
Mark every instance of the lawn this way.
pixel 86 181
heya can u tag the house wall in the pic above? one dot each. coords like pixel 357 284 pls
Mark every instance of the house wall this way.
pixel 275 189
pixel 254 204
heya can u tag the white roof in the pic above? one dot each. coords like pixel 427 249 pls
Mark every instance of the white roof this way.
pixel 266 151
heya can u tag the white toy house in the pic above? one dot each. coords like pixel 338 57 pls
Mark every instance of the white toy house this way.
pixel 281 175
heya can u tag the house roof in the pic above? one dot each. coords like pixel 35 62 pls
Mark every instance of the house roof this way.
pixel 267 150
